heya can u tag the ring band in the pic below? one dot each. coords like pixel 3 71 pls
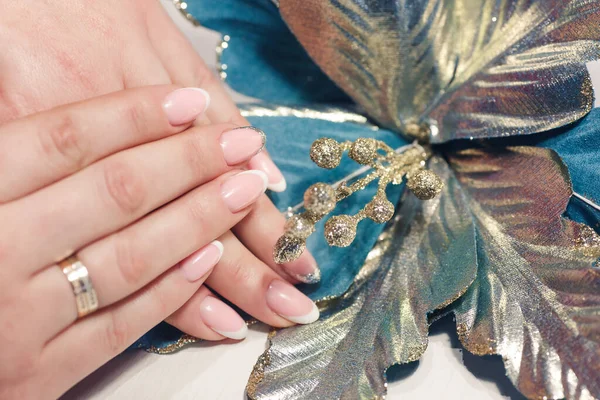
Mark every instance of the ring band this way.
pixel 79 278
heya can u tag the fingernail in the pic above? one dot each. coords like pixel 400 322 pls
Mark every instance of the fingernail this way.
pixel 264 163
pixel 185 105
pixel 290 303
pixel 243 189
pixel 222 319
pixel 304 269
pixel 202 262
pixel 242 144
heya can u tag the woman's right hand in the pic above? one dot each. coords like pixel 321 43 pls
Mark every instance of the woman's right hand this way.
pixel 120 182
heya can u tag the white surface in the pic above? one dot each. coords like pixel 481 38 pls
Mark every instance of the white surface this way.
pixel 220 371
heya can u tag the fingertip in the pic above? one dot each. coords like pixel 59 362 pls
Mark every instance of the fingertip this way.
pixel 184 105
pixel 305 269
pixel 222 319
pixel 263 162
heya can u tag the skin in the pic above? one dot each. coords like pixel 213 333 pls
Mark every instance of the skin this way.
pixel 60 53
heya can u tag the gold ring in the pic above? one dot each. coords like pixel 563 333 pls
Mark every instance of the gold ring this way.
pixel 79 278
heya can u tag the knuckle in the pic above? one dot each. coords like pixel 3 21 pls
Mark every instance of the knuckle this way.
pixel 204 77
pixel 160 300
pixel 130 265
pixel 238 270
pixel 197 207
pixel 63 140
pixel 124 188
pixel 136 118
pixel 116 333
pixel 195 154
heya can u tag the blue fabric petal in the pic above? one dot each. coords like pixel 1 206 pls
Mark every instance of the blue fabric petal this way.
pixel 263 58
pixel 288 140
pixel 577 144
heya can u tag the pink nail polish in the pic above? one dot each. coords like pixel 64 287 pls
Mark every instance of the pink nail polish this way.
pixel 202 262
pixel 222 319
pixel 290 303
pixel 263 162
pixel 242 144
pixel 185 105
pixel 243 189
pixel 305 269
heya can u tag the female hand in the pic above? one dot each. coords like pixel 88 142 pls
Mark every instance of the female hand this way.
pixel 62 51
pixel 120 183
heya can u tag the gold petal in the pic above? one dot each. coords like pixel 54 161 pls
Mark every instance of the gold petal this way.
pixel 536 300
pixel 465 68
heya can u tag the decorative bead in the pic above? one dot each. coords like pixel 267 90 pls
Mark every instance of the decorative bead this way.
pixel 288 248
pixel 340 230
pixel 326 153
pixel 363 150
pixel 380 209
pixel 299 226
pixel 425 184
pixel 320 199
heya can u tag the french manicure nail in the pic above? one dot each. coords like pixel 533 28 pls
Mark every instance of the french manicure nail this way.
pixel 185 105
pixel 288 302
pixel 222 319
pixel 202 262
pixel 304 269
pixel 241 144
pixel 264 163
pixel 243 189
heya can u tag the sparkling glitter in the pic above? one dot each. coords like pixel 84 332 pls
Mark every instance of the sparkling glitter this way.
pixel 326 153
pixel 380 209
pixel 340 230
pixel 425 184
pixel 299 226
pixel 320 198
pixel 288 248
pixel 363 150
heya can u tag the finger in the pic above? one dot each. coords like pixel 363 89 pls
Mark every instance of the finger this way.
pixel 41 149
pixel 248 283
pixel 260 230
pixel 206 317
pixel 126 261
pixel 191 70
pixel 120 189
pixel 94 340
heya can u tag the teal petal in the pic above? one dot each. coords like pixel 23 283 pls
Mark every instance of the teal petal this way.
pixel 264 60
pixel 577 145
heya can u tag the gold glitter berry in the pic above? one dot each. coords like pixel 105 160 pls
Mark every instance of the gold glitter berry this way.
pixel 380 209
pixel 326 153
pixel 288 248
pixel 363 150
pixel 299 226
pixel 340 230
pixel 320 198
pixel 425 184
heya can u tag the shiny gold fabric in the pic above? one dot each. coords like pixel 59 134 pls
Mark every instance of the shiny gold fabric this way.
pixel 536 299
pixel 464 68
pixel 424 261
